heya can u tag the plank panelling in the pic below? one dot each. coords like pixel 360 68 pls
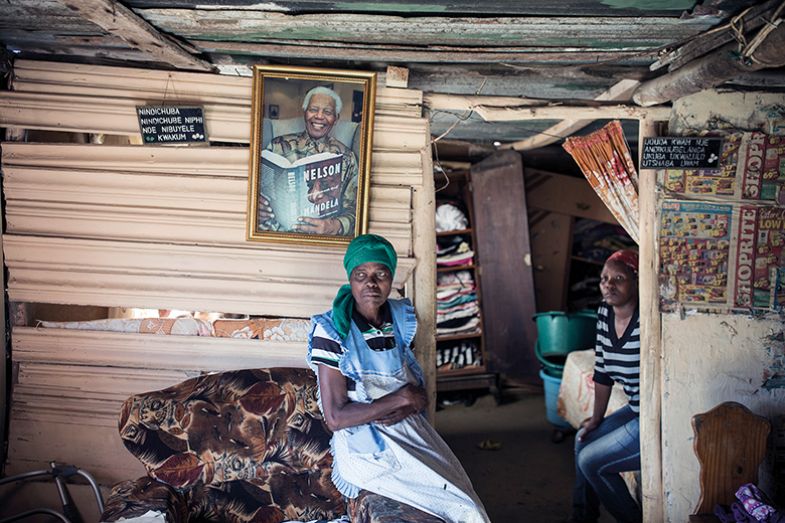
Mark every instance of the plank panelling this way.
pixel 149 85
pixel 102 99
pixel 189 277
pixel 210 193
pixel 97 449
pixel 224 123
pixel 53 395
pixel 105 383
pixel 160 227
pixel 136 206
pixel 167 355
pixel 388 168
pixel 157 225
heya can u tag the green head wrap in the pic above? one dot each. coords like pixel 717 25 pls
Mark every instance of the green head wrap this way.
pixel 363 249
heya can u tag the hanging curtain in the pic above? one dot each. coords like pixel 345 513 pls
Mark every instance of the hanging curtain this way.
pixel 605 160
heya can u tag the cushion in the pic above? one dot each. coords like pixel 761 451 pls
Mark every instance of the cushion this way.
pixel 134 499
pixel 268 329
pixel 373 508
pixel 249 440
pixel 161 326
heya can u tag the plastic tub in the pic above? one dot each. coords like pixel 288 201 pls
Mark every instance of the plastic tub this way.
pixel 552 364
pixel 561 332
pixel 551 386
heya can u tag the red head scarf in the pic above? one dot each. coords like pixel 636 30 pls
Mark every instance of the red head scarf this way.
pixel 626 257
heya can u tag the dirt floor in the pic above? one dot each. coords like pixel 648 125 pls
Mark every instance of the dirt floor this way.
pixel 528 478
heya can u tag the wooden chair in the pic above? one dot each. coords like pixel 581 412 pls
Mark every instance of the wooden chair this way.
pixel 730 443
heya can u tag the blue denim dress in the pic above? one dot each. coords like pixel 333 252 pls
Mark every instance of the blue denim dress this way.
pixel 407 461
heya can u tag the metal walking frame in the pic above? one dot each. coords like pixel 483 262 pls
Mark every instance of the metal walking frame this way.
pixel 60 473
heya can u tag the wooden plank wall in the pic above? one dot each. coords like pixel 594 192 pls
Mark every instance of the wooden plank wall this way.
pixel 164 227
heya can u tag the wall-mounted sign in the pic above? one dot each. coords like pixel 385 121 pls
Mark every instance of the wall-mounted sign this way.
pixel 160 124
pixel 675 152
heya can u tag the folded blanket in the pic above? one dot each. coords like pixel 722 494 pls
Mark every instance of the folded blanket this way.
pixel 267 329
pixel 161 326
pixel 457 278
pixel 458 326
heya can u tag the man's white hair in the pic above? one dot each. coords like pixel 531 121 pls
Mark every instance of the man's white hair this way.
pixel 323 90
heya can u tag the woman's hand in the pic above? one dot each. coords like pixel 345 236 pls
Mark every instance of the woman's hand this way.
pixel 414 396
pixel 414 400
pixel 602 394
pixel 340 412
pixel 588 425
pixel 395 416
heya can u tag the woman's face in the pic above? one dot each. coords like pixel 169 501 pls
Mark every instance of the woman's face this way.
pixel 618 284
pixel 371 285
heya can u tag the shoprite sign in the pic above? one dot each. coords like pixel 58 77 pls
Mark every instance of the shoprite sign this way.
pixel 161 124
pixel 675 152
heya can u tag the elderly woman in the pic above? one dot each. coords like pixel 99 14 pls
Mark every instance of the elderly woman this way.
pixel 606 446
pixel 372 396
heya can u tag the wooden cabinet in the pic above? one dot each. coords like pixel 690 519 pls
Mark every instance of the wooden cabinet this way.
pixel 502 232
pixel 461 357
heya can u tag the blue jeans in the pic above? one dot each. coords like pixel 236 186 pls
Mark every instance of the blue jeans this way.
pixel 611 448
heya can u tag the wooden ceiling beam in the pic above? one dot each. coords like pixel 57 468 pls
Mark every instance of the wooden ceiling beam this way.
pixel 509 109
pixel 714 69
pixel 621 91
pixel 118 20
pixel 430 54
pixel 750 19
pixel 565 32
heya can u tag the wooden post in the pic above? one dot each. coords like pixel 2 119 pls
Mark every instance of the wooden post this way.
pixel 424 244
pixel 651 340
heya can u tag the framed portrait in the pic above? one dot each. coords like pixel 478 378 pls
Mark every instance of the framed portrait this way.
pixel 311 159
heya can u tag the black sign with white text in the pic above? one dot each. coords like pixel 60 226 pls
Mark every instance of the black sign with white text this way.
pixel 161 124
pixel 675 152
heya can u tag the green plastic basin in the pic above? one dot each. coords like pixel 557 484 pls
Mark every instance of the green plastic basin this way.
pixel 561 332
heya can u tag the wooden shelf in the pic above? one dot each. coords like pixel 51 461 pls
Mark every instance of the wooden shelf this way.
pixel 463 371
pixel 473 376
pixel 452 337
pixel 448 268
pixel 456 232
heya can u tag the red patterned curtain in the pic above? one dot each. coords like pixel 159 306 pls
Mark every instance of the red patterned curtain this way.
pixel 605 160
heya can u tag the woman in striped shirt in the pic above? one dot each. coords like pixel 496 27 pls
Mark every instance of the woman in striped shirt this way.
pixel 607 446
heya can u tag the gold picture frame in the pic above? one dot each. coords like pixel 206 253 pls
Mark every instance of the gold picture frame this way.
pixel 310 168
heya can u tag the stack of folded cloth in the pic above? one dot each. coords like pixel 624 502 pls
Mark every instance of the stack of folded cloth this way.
pixel 460 354
pixel 457 311
pixel 453 251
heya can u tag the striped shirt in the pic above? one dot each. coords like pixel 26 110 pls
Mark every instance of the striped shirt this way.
pixel 618 359
pixel 326 350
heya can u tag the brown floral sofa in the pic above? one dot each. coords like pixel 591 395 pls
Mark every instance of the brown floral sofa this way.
pixel 237 446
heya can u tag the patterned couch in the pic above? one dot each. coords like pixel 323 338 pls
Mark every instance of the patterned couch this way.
pixel 237 446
